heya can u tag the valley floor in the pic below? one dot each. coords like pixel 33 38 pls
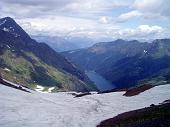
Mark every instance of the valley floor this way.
pixel 18 108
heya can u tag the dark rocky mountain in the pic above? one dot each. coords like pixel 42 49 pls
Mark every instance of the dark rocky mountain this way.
pixel 127 63
pixel 105 53
pixel 7 24
pixel 23 60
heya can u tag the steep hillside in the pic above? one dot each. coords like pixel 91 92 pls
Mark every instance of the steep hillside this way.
pixel 30 63
pixel 152 66
pixel 105 53
pixel 127 63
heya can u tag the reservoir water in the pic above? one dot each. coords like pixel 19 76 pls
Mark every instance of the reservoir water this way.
pixel 101 83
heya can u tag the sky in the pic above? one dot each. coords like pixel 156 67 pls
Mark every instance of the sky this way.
pixel 99 20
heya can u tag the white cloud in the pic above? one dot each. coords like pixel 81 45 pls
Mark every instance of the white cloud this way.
pixel 91 18
pixel 141 32
pixel 63 25
pixel 95 6
pixel 78 27
pixel 128 15
pixel 147 9
pixel 38 8
pixel 155 7
pixel 148 5
pixel 150 29
pixel 104 20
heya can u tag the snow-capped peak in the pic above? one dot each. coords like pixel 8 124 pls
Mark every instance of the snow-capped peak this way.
pixel 8 24
pixel 11 30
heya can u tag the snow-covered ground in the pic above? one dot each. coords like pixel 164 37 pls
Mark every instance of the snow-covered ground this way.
pixel 21 109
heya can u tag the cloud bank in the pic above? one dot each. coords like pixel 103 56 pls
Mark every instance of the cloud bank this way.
pixel 97 19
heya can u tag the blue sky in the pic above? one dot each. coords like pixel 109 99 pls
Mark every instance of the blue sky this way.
pixel 99 20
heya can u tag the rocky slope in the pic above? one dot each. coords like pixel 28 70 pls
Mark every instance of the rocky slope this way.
pixel 153 116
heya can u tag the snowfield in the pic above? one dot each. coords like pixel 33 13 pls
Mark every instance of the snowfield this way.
pixel 21 109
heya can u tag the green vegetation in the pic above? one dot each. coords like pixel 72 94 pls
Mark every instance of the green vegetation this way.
pixel 27 69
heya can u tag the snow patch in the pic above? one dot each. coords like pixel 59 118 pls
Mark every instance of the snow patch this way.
pixel 145 51
pixel 50 89
pixel 8 46
pixel 39 88
pixel 72 52
pixel 11 30
pixel 6 29
pixel 17 35
pixel 6 69
pixel 2 22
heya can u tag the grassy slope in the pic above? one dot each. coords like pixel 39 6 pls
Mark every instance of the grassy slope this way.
pixel 27 69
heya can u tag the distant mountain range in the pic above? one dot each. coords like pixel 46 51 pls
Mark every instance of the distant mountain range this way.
pixel 27 62
pixel 61 44
pixel 127 63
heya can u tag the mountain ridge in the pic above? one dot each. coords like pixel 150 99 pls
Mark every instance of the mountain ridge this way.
pixel 39 60
pixel 126 63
